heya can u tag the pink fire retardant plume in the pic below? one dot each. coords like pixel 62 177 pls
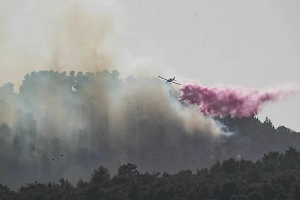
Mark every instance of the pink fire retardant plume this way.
pixel 236 102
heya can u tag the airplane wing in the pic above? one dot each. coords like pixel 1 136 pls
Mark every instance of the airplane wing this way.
pixel 162 78
pixel 176 83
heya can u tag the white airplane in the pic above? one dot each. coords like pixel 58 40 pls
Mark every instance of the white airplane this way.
pixel 170 80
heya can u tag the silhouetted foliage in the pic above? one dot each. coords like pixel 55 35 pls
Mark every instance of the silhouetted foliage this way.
pixel 224 181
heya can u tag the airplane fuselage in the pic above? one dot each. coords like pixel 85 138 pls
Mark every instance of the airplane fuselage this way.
pixel 171 79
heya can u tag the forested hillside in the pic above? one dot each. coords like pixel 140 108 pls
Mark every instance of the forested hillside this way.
pixel 274 176
pixel 67 124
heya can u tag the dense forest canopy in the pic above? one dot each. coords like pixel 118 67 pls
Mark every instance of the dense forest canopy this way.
pixel 67 124
pixel 275 176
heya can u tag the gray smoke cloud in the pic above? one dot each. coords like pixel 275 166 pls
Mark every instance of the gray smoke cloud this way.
pixel 58 35
pixel 97 119
pixel 65 124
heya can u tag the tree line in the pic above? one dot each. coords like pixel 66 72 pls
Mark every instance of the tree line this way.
pixel 275 176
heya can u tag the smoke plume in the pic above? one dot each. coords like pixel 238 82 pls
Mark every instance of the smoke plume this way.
pixel 57 35
pixel 72 112
pixel 234 102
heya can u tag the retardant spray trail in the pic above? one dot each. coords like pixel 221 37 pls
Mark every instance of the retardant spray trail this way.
pixel 236 102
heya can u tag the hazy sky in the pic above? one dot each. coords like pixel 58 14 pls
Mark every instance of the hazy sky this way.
pixel 250 43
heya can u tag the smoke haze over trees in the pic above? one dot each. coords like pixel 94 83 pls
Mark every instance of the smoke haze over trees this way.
pixel 67 124
pixel 64 124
